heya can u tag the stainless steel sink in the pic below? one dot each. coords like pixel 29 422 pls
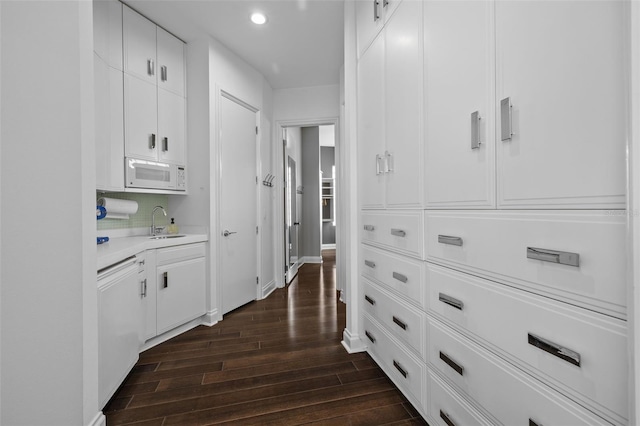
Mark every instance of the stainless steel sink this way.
pixel 162 237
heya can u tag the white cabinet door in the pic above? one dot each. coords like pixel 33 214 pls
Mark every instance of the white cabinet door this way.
pixel 139 42
pixel 141 118
pixel 170 63
pixel 459 75
pixel 107 31
pixel 403 106
pixel 562 64
pixel 181 293
pixel 171 129
pixel 369 22
pixel 371 144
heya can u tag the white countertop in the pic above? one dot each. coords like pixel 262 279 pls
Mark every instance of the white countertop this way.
pixel 117 249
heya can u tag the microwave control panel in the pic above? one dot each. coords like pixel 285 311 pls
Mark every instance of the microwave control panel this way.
pixel 181 179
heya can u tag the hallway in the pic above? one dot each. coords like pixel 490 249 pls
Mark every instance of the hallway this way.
pixel 274 361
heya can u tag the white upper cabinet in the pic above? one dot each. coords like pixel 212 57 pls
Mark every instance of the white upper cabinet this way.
pixel 141 119
pixel 371 16
pixel 390 142
pixel 171 127
pixel 561 64
pixel 459 112
pixel 107 32
pixel 140 56
pixel 170 63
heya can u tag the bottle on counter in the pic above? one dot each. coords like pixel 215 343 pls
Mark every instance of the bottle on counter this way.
pixel 172 228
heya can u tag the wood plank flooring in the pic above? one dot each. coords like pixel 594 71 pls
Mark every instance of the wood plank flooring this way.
pixel 274 361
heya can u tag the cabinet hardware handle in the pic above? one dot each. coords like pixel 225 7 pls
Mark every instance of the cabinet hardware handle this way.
pixel 385 3
pixel 141 262
pixel 369 336
pixel 398 367
pixel 150 67
pixel 553 256
pixel 451 363
pixel 398 276
pixel 475 130
pixel 152 141
pixel 163 73
pixel 533 423
pixel 370 264
pixel 379 169
pixel 370 300
pixel 399 323
pixel 388 162
pixel 369 228
pixel 398 232
pixel 452 241
pixel 506 116
pixel 165 144
pixel 458 304
pixel 376 15
pixel 561 352
pixel 445 417
pixel 165 279
pixel 143 288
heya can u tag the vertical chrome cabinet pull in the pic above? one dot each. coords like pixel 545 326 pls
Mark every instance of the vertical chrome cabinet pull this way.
pixel 445 417
pixel 165 144
pixel 143 288
pixel 506 130
pixel 451 363
pixel 398 232
pixel 475 130
pixel 398 367
pixel 458 304
pixel 572 357
pixel 378 168
pixel 369 228
pixel 165 280
pixel 370 300
pixel 388 162
pixel 370 264
pixel 553 256
pixel 152 141
pixel 370 336
pixel 533 423
pixel 150 67
pixel 399 323
pixel 163 73
pixel 376 15
pixel 398 276
pixel 452 241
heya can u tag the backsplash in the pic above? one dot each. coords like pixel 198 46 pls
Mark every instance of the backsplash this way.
pixel 146 203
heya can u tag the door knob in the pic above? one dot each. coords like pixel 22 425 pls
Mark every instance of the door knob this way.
pixel 227 233
pixel 296 223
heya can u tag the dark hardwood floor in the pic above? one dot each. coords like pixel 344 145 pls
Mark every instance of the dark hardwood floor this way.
pixel 273 361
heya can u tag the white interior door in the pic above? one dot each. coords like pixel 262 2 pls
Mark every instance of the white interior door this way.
pixel 238 204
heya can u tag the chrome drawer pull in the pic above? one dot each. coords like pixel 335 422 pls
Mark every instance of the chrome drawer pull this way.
pixel 370 264
pixel 475 130
pixel 568 355
pixel 506 117
pixel 553 256
pixel 402 278
pixel 451 363
pixel 398 367
pixel 370 300
pixel 458 304
pixel 532 423
pixel 370 337
pixel 398 232
pixel 369 227
pixel 452 241
pixel 445 417
pixel 400 323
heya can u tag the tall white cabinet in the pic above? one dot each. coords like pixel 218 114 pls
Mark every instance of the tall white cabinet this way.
pixel 499 295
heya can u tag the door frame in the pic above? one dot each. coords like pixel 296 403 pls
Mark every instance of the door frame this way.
pixel 217 227
pixel 278 154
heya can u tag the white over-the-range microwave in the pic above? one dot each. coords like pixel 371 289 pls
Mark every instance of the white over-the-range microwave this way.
pixel 154 175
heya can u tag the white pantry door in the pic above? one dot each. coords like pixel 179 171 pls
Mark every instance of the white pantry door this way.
pixel 238 204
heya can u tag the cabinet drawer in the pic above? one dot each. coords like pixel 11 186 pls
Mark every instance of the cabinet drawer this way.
pixel 446 407
pixel 510 395
pixel 180 253
pixel 523 248
pixel 506 317
pixel 404 275
pixel 401 231
pixel 403 322
pixel 406 371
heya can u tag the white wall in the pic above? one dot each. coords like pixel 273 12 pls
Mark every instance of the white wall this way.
pixel 306 103
pixel 49 297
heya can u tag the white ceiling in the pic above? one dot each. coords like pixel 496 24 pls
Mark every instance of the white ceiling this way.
pixel 301 44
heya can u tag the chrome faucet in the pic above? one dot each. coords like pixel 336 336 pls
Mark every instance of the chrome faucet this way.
pixel 154 230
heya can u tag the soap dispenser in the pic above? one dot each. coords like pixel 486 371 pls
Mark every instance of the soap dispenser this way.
pixel 172 228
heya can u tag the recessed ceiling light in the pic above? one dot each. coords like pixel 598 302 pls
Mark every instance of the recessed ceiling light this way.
pixel 258 18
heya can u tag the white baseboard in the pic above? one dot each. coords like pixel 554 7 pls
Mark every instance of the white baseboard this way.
pixel 210 318
pixel 98 420
pixel 172 333
pixel 310 259
pixel 328 246
pixel 268 289
pixel 352 342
